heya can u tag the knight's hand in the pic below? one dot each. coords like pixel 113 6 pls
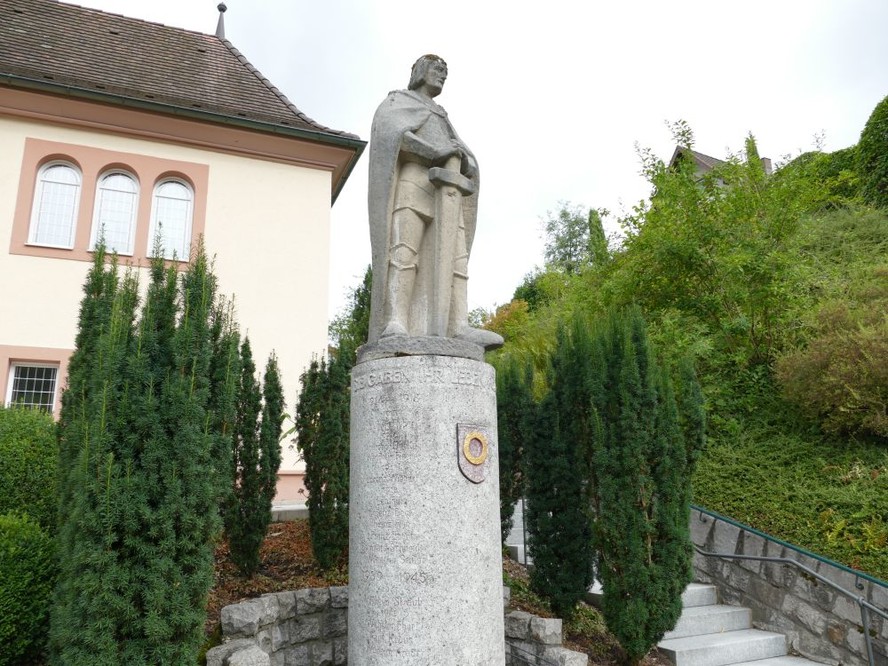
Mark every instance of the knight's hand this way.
pixel 468 168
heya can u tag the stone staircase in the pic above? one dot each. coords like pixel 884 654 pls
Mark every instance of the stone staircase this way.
pixel 711 634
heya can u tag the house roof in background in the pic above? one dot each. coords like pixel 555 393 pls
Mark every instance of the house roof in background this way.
pixel 84 52
pixel 704 162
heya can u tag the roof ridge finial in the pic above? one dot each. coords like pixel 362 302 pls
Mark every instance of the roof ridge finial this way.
pixel 220 26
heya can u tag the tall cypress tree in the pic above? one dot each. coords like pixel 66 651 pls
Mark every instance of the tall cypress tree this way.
pixel 558 511
pixel 642 454
pixel 322 429
pixel 255 460
pixel 322 426
pixel 514 409
pixel 140 510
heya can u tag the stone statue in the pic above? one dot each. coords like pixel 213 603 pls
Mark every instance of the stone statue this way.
pixel 423 204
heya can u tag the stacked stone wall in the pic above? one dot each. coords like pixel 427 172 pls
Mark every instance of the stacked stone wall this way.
pixel 309 628
pixel 819 622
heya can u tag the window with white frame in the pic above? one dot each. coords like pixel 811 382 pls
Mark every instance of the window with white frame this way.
pixel 56 202
pixel 117 203
pixel 171 214
pixel 32 385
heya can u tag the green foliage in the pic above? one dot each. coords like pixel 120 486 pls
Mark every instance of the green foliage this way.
pixel 642 455
pixel 872 154
pixel 827 495
pixel 837 375
pixel 29 451
pixel 322 429
pixel 349 328
pixel 841 377
pixel 575 239
pixel 256 458
pixel 556 450
pixel 716 251
pixel 830 178
pixel 27 571
pixel 514 400
pixel 139 504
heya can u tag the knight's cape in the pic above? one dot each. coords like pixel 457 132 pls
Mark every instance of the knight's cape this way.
pixel 402 111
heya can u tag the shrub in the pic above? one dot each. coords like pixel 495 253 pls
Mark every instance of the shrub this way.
pixel 27 570
pixel 514 405
pixel 841 377
pixel 322 426
pixel 558 508
pixel 29 451
pixel 140 504
pixel 872 155
pixel 256 459
pixel 644 442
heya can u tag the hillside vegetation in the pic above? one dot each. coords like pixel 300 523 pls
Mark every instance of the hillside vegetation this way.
pixel 776 286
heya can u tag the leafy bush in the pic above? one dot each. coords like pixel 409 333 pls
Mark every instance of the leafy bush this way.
pixel 27 571
pixel 873 156
pixel 832 178
pixel 139 484
pixel 841 376
pixel 29 451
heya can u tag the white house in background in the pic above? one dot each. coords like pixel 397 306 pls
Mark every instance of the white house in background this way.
pixel 117 123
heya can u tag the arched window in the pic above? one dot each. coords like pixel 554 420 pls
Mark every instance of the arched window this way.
pixel 171 213
pixel 56 202
pixel 117 202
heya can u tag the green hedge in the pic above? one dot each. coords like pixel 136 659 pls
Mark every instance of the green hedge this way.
pixel 829 496
pixel 29 451
pixel 872 155
pixel 27 573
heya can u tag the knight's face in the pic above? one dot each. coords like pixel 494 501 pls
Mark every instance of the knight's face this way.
pixel 435 76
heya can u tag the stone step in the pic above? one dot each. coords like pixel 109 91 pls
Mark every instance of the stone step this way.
pixel 289 511
pixel 695 594
pixel 699 594
pixel 699 620
pixel 781 661
pixel 730 647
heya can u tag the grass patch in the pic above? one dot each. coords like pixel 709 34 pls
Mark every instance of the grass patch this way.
pixel 827 496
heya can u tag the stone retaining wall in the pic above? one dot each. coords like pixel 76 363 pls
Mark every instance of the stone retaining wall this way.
pixel 819 622
pixel 309 628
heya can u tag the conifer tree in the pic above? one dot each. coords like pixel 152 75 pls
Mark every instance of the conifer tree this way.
pixel 558 511
pixel 642 455
pixel 514 409
pixel 256 459
pixel 140 504
pixel 322 428
pixel 225 373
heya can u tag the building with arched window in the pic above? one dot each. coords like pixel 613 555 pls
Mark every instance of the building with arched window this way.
pixel 150 154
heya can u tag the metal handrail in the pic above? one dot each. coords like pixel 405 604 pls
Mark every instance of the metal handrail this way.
pixel 865 606
pixel 807 553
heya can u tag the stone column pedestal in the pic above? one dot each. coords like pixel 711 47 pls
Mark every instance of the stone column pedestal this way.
pixel 425 560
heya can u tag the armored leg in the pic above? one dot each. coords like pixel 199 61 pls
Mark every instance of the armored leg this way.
pixel 407 231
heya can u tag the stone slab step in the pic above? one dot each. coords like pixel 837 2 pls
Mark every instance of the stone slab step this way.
pixel 699 620
pixel 695 594
pixel 281 513
pixel 699 594
pixel 730 647
pixel 781 661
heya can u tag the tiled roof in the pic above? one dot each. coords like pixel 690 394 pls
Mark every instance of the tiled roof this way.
pixel 705 162
pixel 53 44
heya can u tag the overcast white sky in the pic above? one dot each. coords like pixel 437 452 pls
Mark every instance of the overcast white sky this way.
pixel 552 96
